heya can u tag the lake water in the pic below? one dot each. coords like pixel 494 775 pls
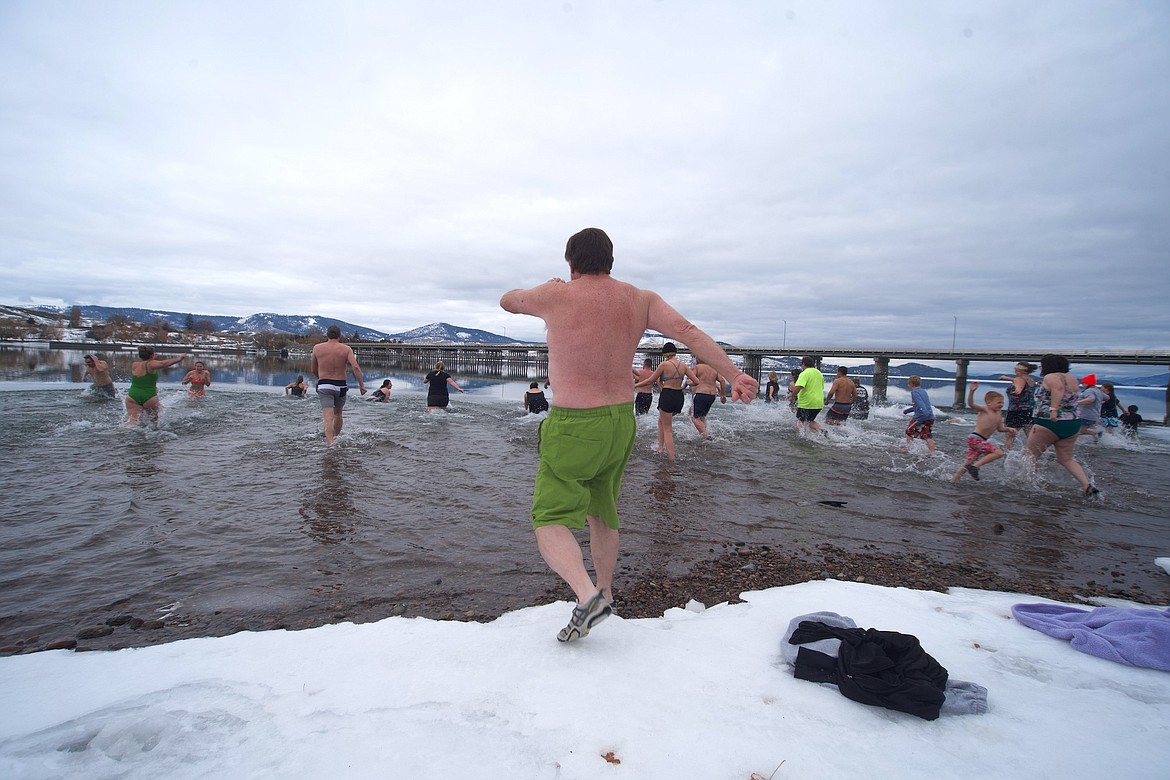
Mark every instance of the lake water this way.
pixel 233 514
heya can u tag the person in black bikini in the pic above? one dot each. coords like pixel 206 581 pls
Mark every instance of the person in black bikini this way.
pixel 669 375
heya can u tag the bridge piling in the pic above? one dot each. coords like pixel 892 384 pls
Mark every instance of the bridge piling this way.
pixel 881 379
pixel 961 383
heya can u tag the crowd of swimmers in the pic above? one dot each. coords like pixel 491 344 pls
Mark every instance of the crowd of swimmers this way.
pixel 594 325
pixel 142 395
pixel 1052 412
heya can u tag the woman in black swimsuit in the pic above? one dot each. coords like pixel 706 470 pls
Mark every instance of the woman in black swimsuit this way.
pixel 534 400
pixel 669 375
pixel 296 388
pixel 437 394
pixel 772 393
pixel 382 394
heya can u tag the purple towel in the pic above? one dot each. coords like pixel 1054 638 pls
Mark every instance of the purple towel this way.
pixel 1138 637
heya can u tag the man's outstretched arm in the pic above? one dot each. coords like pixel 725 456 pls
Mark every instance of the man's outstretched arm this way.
pixel 664 319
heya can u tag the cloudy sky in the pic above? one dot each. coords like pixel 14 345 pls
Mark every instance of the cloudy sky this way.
pixel 826 173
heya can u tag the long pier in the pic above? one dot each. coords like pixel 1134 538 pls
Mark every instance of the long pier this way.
pixel 524 359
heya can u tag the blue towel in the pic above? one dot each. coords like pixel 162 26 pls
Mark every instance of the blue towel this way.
pixel 1137 637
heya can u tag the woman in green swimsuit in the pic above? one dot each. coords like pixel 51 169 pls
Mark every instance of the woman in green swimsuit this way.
pixel 1055 422
pixel 143 394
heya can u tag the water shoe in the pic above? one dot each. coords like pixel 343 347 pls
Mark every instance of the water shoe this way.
pixel 585 617
pixel 973 471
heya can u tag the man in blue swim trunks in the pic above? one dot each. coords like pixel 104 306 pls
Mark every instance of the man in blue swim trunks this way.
pixel 328 362
pixel 841 395
pixel 704 391
pixel 595 323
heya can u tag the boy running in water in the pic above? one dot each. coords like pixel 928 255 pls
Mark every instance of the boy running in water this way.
pixel 980 451
pixel 919 427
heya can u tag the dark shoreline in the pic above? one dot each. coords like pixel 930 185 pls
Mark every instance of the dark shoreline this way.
pixel 647 594
pixel 758 568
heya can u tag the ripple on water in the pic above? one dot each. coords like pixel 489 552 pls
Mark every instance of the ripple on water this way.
pixel 235 502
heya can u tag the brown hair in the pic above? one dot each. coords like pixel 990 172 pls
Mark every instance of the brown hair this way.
pixel 590 252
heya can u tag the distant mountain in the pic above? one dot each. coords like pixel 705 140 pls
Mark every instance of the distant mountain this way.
pixel 282 323
pixel 906 369
pixel 1157 380
pixel 294 324
pixel 443 333
pixel 299 325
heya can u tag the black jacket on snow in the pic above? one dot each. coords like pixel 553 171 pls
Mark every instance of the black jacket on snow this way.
pixel 882 668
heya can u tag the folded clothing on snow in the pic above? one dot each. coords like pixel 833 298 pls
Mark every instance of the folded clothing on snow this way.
pixel 1136 637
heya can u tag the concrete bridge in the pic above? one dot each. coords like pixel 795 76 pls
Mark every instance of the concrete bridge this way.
pixel 520 359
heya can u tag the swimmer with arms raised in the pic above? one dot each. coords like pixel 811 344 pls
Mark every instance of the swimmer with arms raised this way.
pixel 199 378
pixel 99 371
pixel 595 324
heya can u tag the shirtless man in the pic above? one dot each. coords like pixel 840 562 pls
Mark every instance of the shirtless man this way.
pixel 328 363
pixel 644 398
pixel 842 393
pixel 199 378
pixel 704 391
pixel 595 323
pixel 99 371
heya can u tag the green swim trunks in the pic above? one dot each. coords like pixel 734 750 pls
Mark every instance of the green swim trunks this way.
pixel 583 454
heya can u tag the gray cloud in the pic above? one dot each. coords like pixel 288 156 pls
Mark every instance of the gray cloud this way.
pixel 865 173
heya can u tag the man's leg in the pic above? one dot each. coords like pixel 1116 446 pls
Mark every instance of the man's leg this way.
pixel 561 552
pixel 327 415
pixel 338 421
pixel 603 546
pixel 700 424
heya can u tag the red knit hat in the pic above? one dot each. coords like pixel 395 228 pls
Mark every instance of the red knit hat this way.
pixel 1089 380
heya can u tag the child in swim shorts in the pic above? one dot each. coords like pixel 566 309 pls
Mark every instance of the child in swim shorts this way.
pixel 988 421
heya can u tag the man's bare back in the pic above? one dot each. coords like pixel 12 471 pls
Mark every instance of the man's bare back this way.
pixel 709 381
pixel 842 391
pixel 329 360
pixel 595 323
